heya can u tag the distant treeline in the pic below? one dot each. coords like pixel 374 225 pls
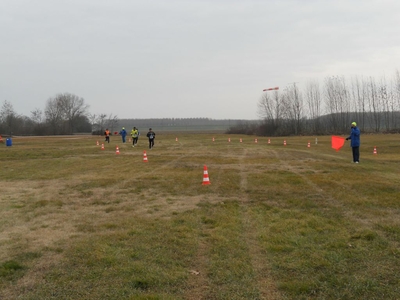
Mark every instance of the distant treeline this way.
pixel 368 123
pixel 180 124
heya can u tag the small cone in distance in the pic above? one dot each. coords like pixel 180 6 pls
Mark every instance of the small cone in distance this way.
pixel 241 140
pixel 229 140
pixel 375 151
pixel 116 150
pixel 206 180
pixel 309 144
pixel 269 141
pixel 256 141
pixel 284 142
pixel 97 143
pixel 102 146
pixel 213 139
pixel 176 139
pixel 144 156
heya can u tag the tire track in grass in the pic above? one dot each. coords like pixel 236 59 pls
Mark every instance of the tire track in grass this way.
pixel 265 282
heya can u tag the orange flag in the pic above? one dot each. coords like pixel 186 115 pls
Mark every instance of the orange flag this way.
pixel 337 142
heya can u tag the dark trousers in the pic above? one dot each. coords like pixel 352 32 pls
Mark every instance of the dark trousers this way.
pixel 134 141
pixel 107 139
pixel 356 154
pixel 151 143
pixel 123 138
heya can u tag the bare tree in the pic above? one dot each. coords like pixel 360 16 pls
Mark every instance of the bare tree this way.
pixel 374 104
pixel 54 115
pixel 314 103
pixel 112 122
pixel 72 107
pixel 270 109
pixel 38 120
pixel 293 103
pixel 359 94
pixel 337 103
pixel 8 117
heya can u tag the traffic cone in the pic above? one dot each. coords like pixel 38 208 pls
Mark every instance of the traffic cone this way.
pixel 102 146
pixel 375 152
pixel 206 180
pixel 97 143
pixel 240 140
pixel 229 140
pixel 213 140
pixel 284 142
pixel 116 150
pixel 176 139
pixel 256 141
pixel 308 145
pixel 269 141
pixel 144 156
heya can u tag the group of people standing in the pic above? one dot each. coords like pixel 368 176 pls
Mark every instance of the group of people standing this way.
pixel 134 134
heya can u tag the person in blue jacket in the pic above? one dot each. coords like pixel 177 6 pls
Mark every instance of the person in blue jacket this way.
pixel 123 134
pixel 355 142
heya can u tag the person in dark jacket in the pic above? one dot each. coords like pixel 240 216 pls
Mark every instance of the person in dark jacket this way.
pixel 151 135
pixel 355 142
pixel 123 134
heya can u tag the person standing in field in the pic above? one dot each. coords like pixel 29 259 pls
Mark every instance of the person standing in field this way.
pixel 123 134
pixel 355 142
pixel 151 135
pixel 135 135
pixel 107 135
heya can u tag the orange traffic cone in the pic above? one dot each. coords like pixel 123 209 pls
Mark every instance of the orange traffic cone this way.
pixel 284 142
pixel 144 156
pixel 308 145
pixel 116 150
pixel 102 146
pixel 256 141
pixel 269 141
pixel 206 180
pixel 213 140
pixel 229 140
pixel 241 140
pixel 176 139
pixel 375 152
pixel 97 143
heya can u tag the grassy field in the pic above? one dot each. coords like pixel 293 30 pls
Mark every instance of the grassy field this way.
pixel 276 222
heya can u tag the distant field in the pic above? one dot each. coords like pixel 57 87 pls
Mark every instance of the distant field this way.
pixel 276 222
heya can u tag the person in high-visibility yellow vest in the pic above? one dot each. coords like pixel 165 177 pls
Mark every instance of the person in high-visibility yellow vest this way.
pixel 135 136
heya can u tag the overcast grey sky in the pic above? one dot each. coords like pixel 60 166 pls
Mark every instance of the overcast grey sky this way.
pixel 182 59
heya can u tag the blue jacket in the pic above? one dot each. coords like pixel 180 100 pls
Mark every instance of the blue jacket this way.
pixel 123 132
pixel 355 137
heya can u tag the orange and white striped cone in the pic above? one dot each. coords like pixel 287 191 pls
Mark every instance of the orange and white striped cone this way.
pixel 375 151
pixel 144 156
pixel 102 146
pixel 176 139
pixel 213 140
pixel 240 140
pixel 206 180
pixel 256 141
pixel 116 150
pixel 269 141
pixel 308 145
pixel 97 143
pixel 229 140
pixel 284 143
